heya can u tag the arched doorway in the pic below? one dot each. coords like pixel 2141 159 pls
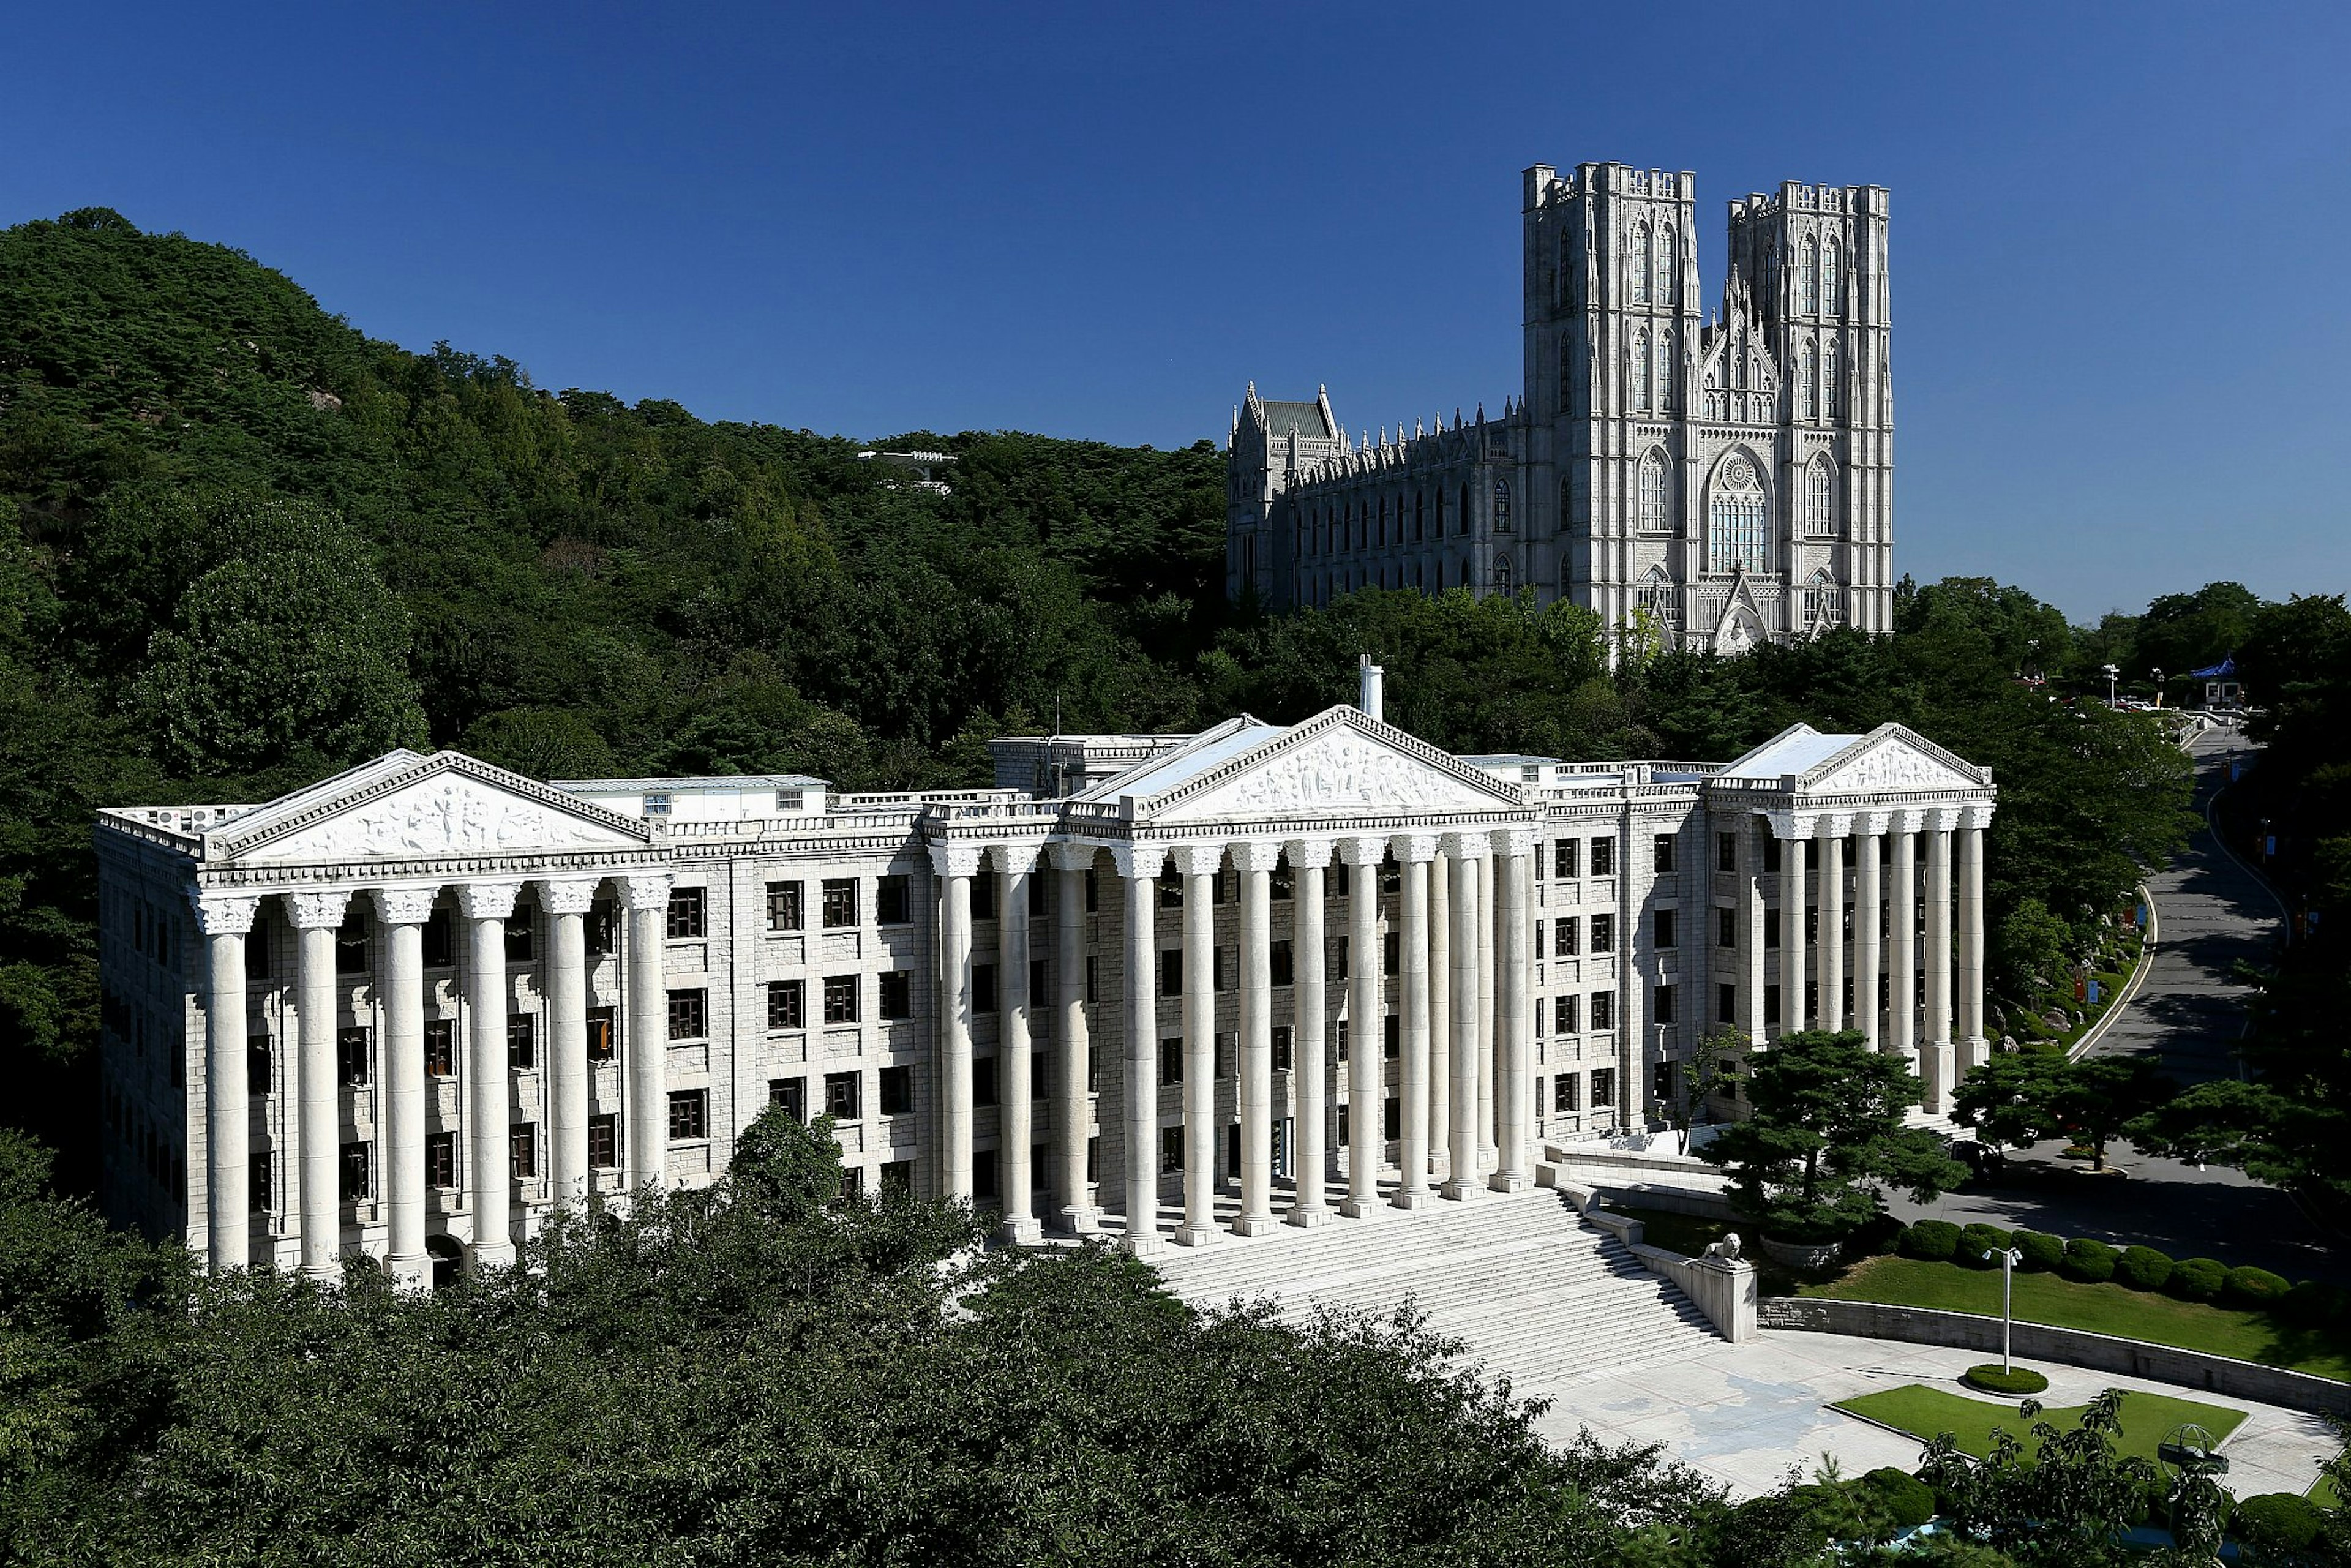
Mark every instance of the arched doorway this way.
pixel 448 1260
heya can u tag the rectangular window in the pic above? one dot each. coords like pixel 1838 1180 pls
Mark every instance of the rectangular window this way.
pixel 657 802
pixel 1771 1004
pixel 1661 928
pixel 1281 883
pixel 787 1004
pixel 1339 1040
pixel 1726 852
pixel 1392 1030
pixel 1812 923
pixel 1770 853
pixel 790 1095
pixel 983 896
pixel 1661 1005
pixel 603 1142
pixel 1094 1158
pixel 1661 853
pixel 1726 928
pixel 840 1097
pixel 897 1090
pixel 603 1037
pixel 892 904
pixel 1562 859
pixel 1603 1010
pixel 440 1159
pixel 983 988
pixel 1563 1015
pixel 1038 996
pixel 984 1181
pixel 840 901
pixel 1171 1061
pixel 686 913
pixel 1093 892
pixel 784 906
pixel 256 1065
pixel 1603 933
pixel 1392 951
pixel 1770 928
pixel 689 1115
pixel 257 1192
pixel 521 947
pixel 1563 936
pixel 351 1057
pixel 351 943
pixel 1093 978
pixel 1281 1048
pixel 1563 1092
pixel 522 1146
pixel 897 1175
pixel 1725 1004
pixel 983 1080
pixel 522 1041
pixel 1171 971
pixel 356 1173
pixel 602 930
pixel 1171 1148
pixel 840 999
pixel 437 941
pixel 440 1047
pixel 689 1014
pixel 1604 857
pixel 1171 889
pixel 1093 1069
pixel 1280 961
pixel 896 1000
pixel 1663 1088
pixel 256 956
pixel 1603 1087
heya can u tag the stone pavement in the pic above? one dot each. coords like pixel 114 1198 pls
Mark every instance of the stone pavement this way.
pixel 1745 1415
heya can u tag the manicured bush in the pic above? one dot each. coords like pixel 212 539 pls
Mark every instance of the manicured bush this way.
pixel 2196 1278
pixel 1877 1237
pixel 2143 1267
pixel 1932 1240
pixel 2042 1250
pixel 2088 1262
pixel 2253 1287
pixel 1975 1241
pixel 1909 1500
pixel 2277 1522
pixel 2015 1381
pixel 2311 1304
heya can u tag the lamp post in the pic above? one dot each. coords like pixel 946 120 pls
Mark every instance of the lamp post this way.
pixel 2008 1262
pixel 2113 672
pixel 2158 688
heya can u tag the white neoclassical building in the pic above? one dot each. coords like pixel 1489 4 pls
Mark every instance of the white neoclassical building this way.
pixel 1152 985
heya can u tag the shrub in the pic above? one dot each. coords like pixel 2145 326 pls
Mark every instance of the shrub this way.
pixel 2042 1250
pixel 2088 1262
pixel 1976 1240
pixel 1909 1500
pixel 2311 1304
pixel 2277 1522
pixel 1933 1240
pixel 2014 1380
pixel 2196 1278
pixel 2143 1267
pixel 1877 1235
pixel 2255 1287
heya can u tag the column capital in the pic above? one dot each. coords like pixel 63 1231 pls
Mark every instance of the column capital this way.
pixel 1413 848
pixel 1941 819
pixel 1255 855
pixel 405 905
pixel 317 911
pixel 1308 854
pixel 1362 852
pixel 1906 819
pixel 1139 862
pixel 1015 860
pixel 1836 825
pixel 1789 825
pixel 224 913
pixel 644 890
pixel 1871 824
pixel 488 900
pixel 1198 860
pixel 1467 846
pixel 1072 856
pixel 1511 844
pixel 567 895
pixel 1976 816
pixel 957 857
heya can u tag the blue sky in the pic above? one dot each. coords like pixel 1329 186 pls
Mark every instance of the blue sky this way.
pixel 2118 232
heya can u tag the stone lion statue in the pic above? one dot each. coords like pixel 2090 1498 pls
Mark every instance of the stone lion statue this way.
pixel 1728 1248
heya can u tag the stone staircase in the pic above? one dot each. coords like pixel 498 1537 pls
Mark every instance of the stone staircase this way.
pixel 1534 1291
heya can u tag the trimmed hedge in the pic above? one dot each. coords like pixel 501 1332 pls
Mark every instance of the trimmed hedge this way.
pixel 2196 1278
pixel 2042 1250
pixel 2312 1304
pixel 2277 1522
pixel 2088 1262
pixel 1909 1500
pixel 1930 1240
pixel 2254 1287
pixel 1975 1241
pixel 2143 1267
pixel 2015 1380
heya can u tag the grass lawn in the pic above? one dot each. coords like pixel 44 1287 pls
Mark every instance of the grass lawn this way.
pixel 2102 1309
pixel 1688 1234
pixel 1926 1412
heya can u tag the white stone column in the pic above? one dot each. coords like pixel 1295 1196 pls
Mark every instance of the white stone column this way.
pixel 1973 1048
pixel 1440 1018
pixel 316 917
pixel 1367 1027
pixel 957 864
pixel 1513 877
pixel 1071 1108
pixel 1255 863
pixel 1935 1054
pixel 226 919
pixel 1832 927
pixel 1902 942
pixel 403 912
pixel 1752 976
pixel 1138 870
pixel 565 903
pixel 1791 833
pixel 1413 853
pixel 645 895
pixel 1015 1094
pixel 1198 864
pixel 1309 1071
pixel 1866 914
pixel 1486 1006
pixel 489 1177
pixel 1464 854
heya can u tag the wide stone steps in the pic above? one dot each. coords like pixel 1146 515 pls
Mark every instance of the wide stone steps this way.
pixel 1534 1292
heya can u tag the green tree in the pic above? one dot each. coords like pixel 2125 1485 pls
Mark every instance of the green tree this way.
pixel 2065 1503
pixel 2023 1096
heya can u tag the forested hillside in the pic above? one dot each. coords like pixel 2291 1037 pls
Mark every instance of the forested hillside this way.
pixel 253 546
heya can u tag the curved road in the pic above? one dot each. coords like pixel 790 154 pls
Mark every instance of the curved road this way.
pixel 2211 913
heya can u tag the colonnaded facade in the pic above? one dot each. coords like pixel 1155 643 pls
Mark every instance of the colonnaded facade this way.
pixel 1297 971
pixel 1725 479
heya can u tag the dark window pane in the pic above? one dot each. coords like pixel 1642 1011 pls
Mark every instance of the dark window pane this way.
pixel 783 907
pixel 689 1112
pixel 840 901
pixel 891 905
pixel 686 913
pixel 786 1004
pixel 688 1014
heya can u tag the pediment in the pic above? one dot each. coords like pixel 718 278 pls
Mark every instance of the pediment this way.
pixel 1340 764
pixel 1892 761
pixel 448 804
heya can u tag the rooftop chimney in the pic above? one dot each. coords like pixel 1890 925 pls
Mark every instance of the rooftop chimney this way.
pixel 1370 674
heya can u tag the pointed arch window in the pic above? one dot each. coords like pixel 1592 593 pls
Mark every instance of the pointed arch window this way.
pixel 1503 575
pixel 1653 492
pixel 1738 532
pixel 1669 271
pixel 1641 371
pixel 1641 264
pixel 1419 515
pixel 1501 505
pixel 1665 389
pixel 1824 604
pixel 1655 596
pixel 1566 502
pixel 1461 519
pixel 1808 278
pixel 1809 379
pixel 1820 497
pixel 1832 381
pixel 1832 278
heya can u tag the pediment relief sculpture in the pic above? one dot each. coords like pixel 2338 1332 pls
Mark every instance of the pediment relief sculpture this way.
pixel 1335 773
pixel 444 814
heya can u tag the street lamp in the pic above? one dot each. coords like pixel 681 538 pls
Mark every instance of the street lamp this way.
pixel 2158 688
pixel 2008 1262
pixel 2113 673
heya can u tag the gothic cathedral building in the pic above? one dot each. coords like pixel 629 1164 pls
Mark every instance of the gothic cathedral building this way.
pixel 1715 481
